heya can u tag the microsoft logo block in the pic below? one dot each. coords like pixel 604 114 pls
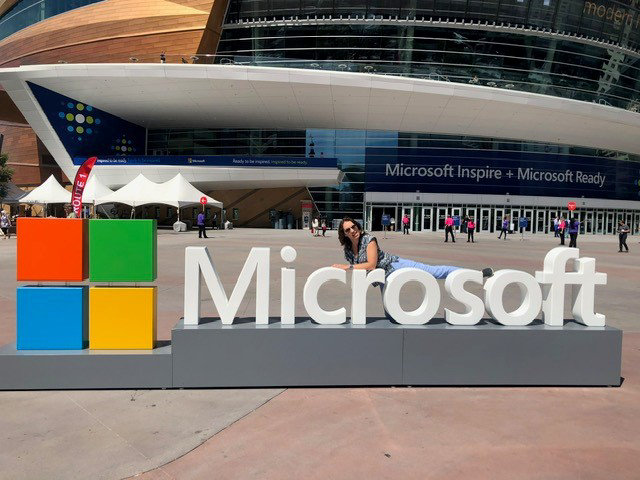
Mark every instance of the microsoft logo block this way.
pixel 73 317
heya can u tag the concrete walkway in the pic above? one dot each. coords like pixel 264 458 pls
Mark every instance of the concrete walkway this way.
pixel 334 433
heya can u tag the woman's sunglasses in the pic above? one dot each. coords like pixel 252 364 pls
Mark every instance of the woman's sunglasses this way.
pixel 350 229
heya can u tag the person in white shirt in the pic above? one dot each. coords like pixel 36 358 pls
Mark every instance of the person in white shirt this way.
pixel 5 223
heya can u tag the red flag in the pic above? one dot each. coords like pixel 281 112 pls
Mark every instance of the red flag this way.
pixel 82 175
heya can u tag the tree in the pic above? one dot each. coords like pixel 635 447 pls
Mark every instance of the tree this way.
pixel 5 174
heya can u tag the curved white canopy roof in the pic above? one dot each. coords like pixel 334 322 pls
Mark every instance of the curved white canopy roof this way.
pixel 232 96
pixel 49 192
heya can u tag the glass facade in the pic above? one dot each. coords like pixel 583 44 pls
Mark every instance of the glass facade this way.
pixel 617 21
pixel 511 61
pixel 354 149
pixel 27 12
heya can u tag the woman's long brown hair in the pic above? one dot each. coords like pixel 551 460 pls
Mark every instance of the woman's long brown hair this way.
pixel 344 240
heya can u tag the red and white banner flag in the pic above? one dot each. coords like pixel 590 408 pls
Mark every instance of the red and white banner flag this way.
pixel 82 175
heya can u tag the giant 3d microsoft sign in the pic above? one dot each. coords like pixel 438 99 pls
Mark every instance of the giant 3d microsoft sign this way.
pixel 102 335
pixel 68 317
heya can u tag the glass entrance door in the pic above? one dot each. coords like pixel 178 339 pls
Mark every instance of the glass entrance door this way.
pixel 528 214
pixel 427 218
pixel 636 224
pixel 599 227
pixel 541 221
pixel 484 223
pixel 588 223
pixel 442 216
pixel 497 219
pixel 610 225
pixel 456 213
pixel 513 219
pixel 416 220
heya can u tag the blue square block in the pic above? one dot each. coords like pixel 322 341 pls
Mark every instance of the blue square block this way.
pixel 52 318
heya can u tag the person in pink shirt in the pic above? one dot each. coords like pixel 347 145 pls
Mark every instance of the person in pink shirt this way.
pixel 448 229
pixel 471 227
pixel 405 224
pixel 562 228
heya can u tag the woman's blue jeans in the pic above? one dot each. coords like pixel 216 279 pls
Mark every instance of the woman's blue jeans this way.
pixel 438 271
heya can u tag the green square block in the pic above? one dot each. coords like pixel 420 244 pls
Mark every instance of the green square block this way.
pixel 123 250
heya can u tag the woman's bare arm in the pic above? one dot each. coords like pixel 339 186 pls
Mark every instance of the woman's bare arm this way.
pixel 370 264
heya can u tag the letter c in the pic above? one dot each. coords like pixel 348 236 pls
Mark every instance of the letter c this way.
pixel 310 296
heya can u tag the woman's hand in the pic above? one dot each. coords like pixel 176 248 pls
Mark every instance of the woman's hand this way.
pixel 341 266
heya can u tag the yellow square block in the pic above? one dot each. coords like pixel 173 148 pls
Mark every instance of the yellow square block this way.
pixel 122 318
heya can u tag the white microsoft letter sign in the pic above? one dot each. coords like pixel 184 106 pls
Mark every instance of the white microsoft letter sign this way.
pixel 543 292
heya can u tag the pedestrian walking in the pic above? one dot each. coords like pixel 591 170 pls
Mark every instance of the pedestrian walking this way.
pixel 405 224
pixel 316 227
pixel 562 226
pixel 202 232
pixel 448 229
pixel 214 221
pixel 623 231
pixel 574 228
pixel 505 227
pixel 393 224
pixel 471 227
pixel 555 227
pixel 5 224
pixel 324 227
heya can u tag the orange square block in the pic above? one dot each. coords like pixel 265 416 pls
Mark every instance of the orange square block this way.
pixel 53 249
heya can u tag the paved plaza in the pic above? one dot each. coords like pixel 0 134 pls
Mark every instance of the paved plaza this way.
pixel 347 433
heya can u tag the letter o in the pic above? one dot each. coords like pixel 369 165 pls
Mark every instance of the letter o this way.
pixel 430 293
pixel 530 296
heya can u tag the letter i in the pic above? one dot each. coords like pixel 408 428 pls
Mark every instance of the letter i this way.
pixel 288 288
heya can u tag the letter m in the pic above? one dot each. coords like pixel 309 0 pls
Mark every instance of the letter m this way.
pixel 590 8
pixel 197 260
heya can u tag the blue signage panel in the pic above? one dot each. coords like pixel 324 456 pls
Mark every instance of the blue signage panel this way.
pixel 492 172
pixel 214 161
pixel 86 130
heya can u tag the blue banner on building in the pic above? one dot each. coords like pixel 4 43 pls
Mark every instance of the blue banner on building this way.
pixel 87 131
pixel 214 161
pixel 495 172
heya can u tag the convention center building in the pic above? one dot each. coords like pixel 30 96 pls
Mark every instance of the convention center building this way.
pixel 355 107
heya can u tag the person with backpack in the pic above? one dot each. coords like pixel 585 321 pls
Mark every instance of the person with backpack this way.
pixel 471 227
pixel 574 228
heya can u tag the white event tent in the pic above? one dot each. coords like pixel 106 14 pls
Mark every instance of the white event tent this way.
pixel 177 192
pixel 139 191
pixel 94 189
pixel 49 192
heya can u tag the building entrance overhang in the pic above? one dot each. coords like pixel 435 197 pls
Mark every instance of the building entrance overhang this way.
pixel 231 96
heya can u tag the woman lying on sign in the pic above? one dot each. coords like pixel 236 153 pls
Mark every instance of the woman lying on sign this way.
pixel 363 253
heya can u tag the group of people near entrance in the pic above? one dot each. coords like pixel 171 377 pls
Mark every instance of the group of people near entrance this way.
pixel 319 225
pixel 562 226
pixel 362 251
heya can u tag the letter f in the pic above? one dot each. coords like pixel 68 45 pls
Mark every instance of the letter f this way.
pixel 584 278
